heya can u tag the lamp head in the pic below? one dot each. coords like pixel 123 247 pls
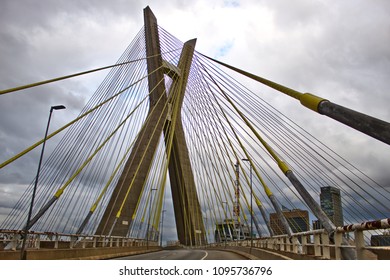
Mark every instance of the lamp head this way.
pixel 58 107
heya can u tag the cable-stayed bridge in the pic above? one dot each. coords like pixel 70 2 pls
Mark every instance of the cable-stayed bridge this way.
pixel 171 124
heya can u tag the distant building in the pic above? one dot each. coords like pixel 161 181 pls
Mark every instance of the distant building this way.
pixel 380 240
pixel 297 219
pixel 330 199
pixel 317 225
pixel 230 230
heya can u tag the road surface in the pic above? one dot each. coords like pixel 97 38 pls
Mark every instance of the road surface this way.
pixel 185 254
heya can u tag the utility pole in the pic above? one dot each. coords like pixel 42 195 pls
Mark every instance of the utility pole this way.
pixel 29 223
pixel 250 175
pixel 236 206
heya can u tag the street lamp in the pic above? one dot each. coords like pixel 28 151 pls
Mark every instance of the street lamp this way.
pixel 250 175
pixel 162 227
pixel 22 251
pixel 150 206
pixel 225 225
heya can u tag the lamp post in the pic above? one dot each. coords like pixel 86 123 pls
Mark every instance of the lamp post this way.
pixel 162 227
pixel 150 207
pixel 250 175
pixel 225 227
pixel 206 230
pixel 22 250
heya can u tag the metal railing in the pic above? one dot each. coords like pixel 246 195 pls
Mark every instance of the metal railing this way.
pixel 12 240
pixel 320 245
pixel 316 243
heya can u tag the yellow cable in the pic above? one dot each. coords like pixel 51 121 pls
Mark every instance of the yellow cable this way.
pixel 73 75
pixel 61 190
pixel 64 77
pixel 110 179
pixel 143 156
pixel 5 163
pixel 308 100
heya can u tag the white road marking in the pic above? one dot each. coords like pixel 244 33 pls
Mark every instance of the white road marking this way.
pixel 204 256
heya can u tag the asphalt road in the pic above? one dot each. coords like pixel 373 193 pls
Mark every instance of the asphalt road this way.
pixel 184 254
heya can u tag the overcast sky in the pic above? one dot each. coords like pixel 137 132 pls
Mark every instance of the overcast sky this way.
pixel 338 50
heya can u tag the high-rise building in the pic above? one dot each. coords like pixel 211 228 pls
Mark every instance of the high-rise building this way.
pixel 230 230
pixel 297 219
pixel 380 240
pixel 330 199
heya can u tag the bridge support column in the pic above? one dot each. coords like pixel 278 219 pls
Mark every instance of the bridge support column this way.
pixel 288 244
pixel 188 215
pixel 359 241
pixel 338 238
pixel 317 245
pixel 325 246
pixel 189 221
pixel 295 244
pixel 135 171
pixel 304 245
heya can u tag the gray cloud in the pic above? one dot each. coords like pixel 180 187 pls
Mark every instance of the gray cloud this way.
pixel 335 49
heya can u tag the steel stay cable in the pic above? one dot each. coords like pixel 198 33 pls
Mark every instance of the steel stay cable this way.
pixel 328 225
pixel 217 194
pixel 163 172
pixel 201 183
pixel 280 163
pixel 142 135
pixel 168 146
pixel 216 154
pixel 62 189
pixel 70 76
pixel 199 134
pixel 262 169
pixel 143 155
pixel 201 180
pixel 228 139
pixel 139 200
pixel 177 88
pixel 231 162
pixel 196 219
pixel 63 78
pixel 168 139
pixel 104 190
pixel 368 125
pixel 146 204
pixel 320 171
pixel 348 177
pixel 94 108
pixel 139 165
pixel 280 211
pixel 312 164
pixel 97 166
pixel 65 126
pixel 225 147
pixel 216 174
pixel 210 117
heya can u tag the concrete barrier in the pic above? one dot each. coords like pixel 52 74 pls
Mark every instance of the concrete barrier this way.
pixel 78 254
pixel 257 253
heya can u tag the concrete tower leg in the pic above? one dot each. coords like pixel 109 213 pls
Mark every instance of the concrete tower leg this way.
pixel 188 215
pixel 146 144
